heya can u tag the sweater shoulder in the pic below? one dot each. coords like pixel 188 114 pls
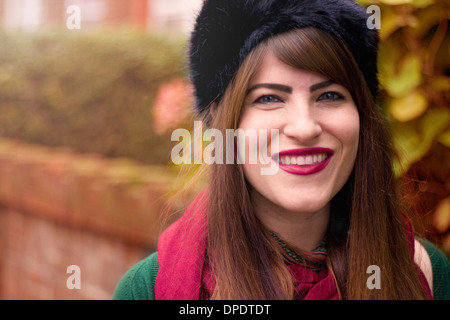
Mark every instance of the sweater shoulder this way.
pixel 441 271
pixel 139 281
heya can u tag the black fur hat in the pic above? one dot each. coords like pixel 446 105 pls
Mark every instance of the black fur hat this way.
pixel 227 30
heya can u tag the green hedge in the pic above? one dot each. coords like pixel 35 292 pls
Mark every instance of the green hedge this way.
pixel 92 92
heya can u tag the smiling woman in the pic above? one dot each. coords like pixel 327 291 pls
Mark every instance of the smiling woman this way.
pixel 306 84
pixel 312 230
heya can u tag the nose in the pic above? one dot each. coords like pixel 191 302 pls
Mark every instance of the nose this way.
pixel 302 123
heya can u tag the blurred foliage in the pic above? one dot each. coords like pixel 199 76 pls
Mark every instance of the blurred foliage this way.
pixel 173 106
pixel 92 92
pixel 414 65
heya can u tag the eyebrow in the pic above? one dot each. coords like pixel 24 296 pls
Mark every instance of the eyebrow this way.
pixel 275 86
pixel 288 89
pixel 321 85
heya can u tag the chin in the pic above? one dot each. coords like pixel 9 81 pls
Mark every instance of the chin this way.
pixel 299 205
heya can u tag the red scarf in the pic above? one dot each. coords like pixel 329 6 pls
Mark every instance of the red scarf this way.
pixel 181 255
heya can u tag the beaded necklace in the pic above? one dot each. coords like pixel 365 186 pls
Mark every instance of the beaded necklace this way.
pixel 316 259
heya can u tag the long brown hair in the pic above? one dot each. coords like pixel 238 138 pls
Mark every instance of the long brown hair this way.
pixel 366 226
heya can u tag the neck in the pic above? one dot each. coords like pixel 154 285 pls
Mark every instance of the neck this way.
pixel 302 230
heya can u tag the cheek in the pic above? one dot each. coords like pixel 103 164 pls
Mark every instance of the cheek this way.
pixel 349 137
pixel 351 131
pixel 253 118
pixel 344 126
pixel 258 139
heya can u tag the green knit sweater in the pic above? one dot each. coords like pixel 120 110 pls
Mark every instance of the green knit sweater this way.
pixel 138 282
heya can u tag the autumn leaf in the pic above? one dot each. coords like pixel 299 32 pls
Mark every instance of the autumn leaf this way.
pixel 408 77
pixel 445 139
pixel 408 107
pixel 441 217
pixel 396 2
pixel 412 142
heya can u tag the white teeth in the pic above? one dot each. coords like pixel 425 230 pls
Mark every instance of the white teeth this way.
pixel 303 160
pixel 309 160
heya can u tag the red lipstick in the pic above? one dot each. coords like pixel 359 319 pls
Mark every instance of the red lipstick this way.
pixel 305 161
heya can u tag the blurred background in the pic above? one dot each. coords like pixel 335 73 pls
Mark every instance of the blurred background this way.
pixel 90 92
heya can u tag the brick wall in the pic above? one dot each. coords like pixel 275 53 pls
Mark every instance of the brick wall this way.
pixel 58 209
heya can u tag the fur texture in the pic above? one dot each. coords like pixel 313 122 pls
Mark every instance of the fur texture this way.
pixel 227 30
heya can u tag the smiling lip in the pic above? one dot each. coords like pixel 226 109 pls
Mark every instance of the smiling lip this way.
pixel 304 161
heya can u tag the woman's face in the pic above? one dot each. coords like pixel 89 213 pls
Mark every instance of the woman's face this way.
pixel 318 126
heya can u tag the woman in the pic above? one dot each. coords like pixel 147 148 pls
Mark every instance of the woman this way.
pixel 316 227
